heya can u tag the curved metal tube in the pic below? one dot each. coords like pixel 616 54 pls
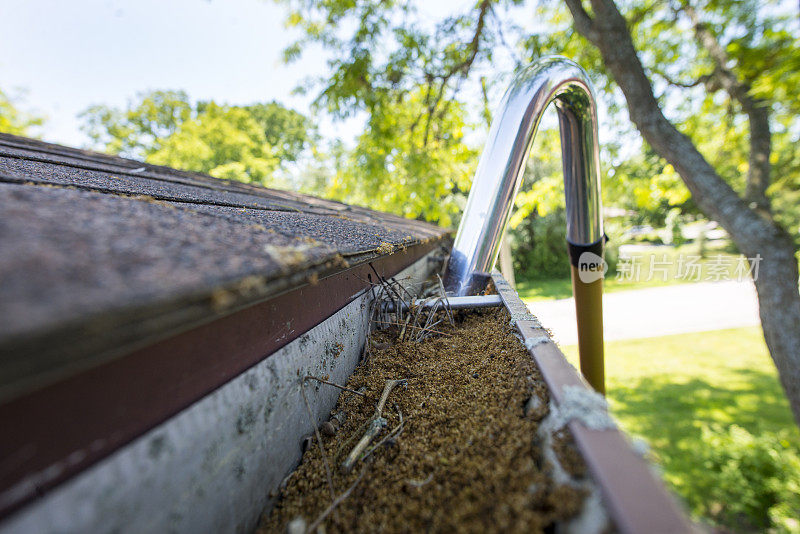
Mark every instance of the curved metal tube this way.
pixel 502 164
pixel 499 176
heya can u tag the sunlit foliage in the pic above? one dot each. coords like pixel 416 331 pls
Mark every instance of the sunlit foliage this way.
pixel 15 121
pixel 400 167
pixel 382 50
pixel 245 143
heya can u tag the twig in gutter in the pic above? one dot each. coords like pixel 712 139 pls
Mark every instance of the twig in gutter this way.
pixel 374 426
pixel 319 439
pixel 337 501
pixel 373 429
pixel 385 283
pixel 419 483
pixel 446 302
pixel 393 323
pixel 414 314
pixel 420 315
pixel 390 385
pixel 405 325
pixel 429 320
pixel 393 434
pixel 403 288
pixel 343 388
pixel 393 292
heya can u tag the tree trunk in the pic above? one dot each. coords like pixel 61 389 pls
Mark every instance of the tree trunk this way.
pixel 779 309
pixel 753 232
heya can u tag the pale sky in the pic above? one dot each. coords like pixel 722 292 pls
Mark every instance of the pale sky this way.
pixel 69 54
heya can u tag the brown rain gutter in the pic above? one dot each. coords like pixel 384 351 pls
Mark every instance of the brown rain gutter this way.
pixel 63 428
pixel 635 499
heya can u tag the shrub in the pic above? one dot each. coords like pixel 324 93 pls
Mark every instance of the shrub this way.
pixel 674 226
pixel 540 246
pixel 746 482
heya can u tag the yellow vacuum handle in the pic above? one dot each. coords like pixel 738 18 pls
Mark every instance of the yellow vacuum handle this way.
pixel 589 314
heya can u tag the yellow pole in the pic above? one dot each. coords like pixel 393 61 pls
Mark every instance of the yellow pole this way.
pixel 589 313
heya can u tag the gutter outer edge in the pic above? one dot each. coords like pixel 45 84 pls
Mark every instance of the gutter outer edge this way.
pixel 635 499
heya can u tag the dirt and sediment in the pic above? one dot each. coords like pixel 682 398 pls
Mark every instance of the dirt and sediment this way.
pixel 466 457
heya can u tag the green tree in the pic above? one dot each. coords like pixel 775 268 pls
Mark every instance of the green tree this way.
pixel 246 143
pixel 288 132
pixel 709 88
pixel 13 120
pixel 402 165
pixel 225 142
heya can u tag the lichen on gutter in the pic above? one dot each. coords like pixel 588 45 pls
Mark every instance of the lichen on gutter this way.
pixel 585 406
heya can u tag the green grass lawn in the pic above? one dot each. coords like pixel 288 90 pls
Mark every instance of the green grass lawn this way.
pixel 560 288
pixel 677 391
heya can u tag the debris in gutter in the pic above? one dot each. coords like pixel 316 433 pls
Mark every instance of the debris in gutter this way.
pixel 374 426
pixel 568 468
pixel 459 448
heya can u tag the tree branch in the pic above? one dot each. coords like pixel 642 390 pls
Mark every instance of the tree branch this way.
pixel 702 80
pixel 583 22
pixel 462 67
pixel 475 44
pixel 757 111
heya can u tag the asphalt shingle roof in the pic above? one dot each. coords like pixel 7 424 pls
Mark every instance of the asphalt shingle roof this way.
pixel 94 246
